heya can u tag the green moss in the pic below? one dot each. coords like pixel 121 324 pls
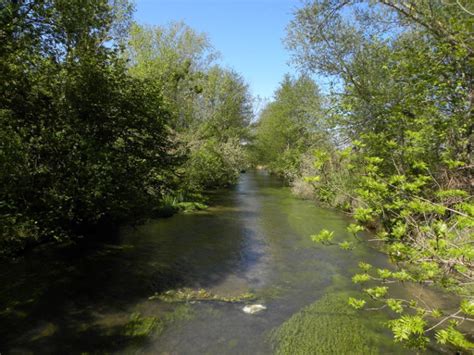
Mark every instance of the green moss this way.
pixel 139 326
pixel 328 326
pixel 187 294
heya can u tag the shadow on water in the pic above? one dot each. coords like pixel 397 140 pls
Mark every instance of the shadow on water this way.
pixel 78 298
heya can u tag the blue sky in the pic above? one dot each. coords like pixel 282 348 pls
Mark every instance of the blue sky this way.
pixel 247 33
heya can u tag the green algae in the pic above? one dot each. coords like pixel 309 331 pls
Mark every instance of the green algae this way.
pixel 331 326
pixel 188 295
pixel 140 326
pixel 328 326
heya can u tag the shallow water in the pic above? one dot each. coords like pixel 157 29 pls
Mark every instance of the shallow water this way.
pixel 252 238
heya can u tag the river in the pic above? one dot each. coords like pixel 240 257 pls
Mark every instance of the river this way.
pixel 94 298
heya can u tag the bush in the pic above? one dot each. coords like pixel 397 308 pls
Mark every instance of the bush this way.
pixel 214 164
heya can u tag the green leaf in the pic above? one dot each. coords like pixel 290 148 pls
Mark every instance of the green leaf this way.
pixel 356 303
pixel 377 292
pixel 346 245
pixel 454 337
pixel 467 306
pixel 384 273
pixel 324 236
pixel 354 228
pixel 364 266
pixel 359 278
pixel 395 305
pixel 363 214
pixel 402 275
pixel 406 327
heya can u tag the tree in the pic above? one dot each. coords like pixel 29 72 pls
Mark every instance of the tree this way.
pixel 403 76
pixel 211 106
pixel 289 125
pixel 175 57
pixel 85 143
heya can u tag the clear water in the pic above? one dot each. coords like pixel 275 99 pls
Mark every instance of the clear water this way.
pixel 254 237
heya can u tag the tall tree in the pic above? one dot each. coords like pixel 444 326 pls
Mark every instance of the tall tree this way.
pixel 211 105
pixel 86 142
pixel 289 125
pixel 176 57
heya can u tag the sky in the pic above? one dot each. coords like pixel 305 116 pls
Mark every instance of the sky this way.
pixel 247 33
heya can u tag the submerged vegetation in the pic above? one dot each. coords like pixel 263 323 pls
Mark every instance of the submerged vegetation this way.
pixel 328 326
pixel 190 295
pixel 139 327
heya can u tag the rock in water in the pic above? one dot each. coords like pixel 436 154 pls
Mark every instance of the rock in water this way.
pixel 254 308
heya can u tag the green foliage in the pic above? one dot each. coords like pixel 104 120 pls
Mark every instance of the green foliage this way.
pixel 363 215
pixel 364 266
pixel 324 237
pixel 402 275
pixel 401 105
pixel 210 106
pixel 92 135
pixel 87 144
pixel 409 329
pixel 213 163
pixel 354 228
pixel 288 126
pixel 395 305
pixel 359 278
pixel 454 337
pixel 327 171
pixel 384 273
pixel 377 292
pixel 346 245
pixel 356 303
pixel 467 306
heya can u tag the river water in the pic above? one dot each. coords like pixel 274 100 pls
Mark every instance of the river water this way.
pixel 253 238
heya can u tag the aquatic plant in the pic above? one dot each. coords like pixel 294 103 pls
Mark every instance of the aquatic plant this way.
pixel 328 326
pixel 140 326
pixel 188 294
